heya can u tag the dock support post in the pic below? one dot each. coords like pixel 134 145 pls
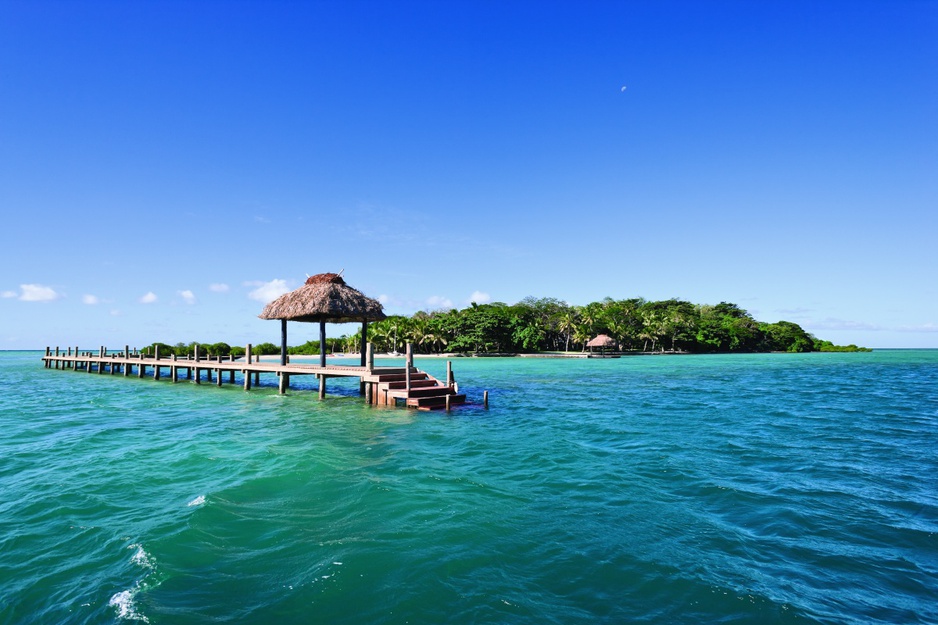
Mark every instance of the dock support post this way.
pixel 56 353
pixel 408 365
pixel 284 382
pixel 247 380
pixel 218 376
pixel 370 362
pixel 485 399
pixel 75 362
pixel 156 371
pixel 247 354
pixel 369 392
pixel 448 402
pixel 257 378
pixel 449 373
pixel 322 386
pixel 48 352
pixel 195 367
pixel 141 369
pixel 174 371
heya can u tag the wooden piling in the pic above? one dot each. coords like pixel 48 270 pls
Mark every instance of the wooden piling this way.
pixel 284 382
pixel 409 362
pixel 247 379
pixel 322 386
pixel 485 399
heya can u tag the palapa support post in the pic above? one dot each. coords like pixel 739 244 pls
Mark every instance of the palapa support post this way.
pixel 370 362
pixel 364 342
pixel 322 343
pixel 283 342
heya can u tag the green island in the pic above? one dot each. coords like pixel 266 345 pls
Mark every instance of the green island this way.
pixel 549 325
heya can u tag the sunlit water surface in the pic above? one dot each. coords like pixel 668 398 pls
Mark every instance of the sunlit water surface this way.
pixel 670 489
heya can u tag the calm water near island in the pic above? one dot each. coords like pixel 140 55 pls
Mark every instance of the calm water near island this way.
pixel 765 488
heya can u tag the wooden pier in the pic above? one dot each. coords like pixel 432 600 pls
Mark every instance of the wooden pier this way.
pixel 381 386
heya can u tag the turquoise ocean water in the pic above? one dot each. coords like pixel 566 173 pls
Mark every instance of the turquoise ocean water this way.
pixel 766 488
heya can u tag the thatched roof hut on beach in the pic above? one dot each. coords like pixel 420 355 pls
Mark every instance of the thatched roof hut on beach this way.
pixel 601 341
pixel 324 297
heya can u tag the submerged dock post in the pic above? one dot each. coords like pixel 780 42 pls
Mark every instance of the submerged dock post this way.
pixel 284 382
pixel 322 386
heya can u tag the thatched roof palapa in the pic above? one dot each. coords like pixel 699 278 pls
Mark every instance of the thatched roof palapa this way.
pixel 603 340
pixel 324 297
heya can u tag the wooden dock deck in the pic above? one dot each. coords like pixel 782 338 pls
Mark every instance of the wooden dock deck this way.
pixel 381 386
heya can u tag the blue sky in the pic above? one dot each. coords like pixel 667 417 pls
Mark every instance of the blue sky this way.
pixel 167 166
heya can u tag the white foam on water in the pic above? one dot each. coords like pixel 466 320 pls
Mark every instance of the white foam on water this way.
pixel 141 557
pixel 123 602
pixel 198 501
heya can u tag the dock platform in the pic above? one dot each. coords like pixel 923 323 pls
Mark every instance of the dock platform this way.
pixel 405 386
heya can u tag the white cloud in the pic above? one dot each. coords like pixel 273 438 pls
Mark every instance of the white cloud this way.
pixel 116 313
pixel 438 302
pixel 8 294
pixel 149 298
pixel 218 287
pixel 187 295
pixel 480 298
pixel 269 291
pixel 831 323
pixel 91 300
pixel 925 327
pixel 37 293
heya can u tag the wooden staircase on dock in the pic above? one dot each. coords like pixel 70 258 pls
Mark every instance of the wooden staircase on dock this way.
pixel 426 392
